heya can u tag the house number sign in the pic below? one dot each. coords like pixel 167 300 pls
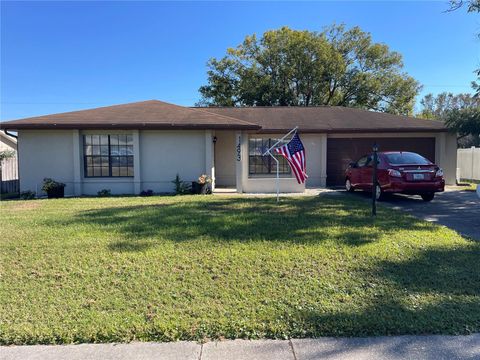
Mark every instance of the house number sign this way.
pixel 239 148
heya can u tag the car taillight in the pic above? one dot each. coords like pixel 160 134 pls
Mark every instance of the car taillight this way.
pixel 439 173
pixel 394 173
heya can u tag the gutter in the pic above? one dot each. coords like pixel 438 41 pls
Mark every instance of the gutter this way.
pixel 10 134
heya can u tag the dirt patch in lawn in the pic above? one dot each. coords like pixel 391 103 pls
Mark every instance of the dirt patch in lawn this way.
pixel 25 205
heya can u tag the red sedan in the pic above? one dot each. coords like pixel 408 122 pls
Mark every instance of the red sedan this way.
pixel 398 172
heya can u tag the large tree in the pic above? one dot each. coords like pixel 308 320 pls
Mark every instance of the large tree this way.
pixel 437 107
pixel 473 6
pixel 287 67
pixel 466 123
pixel 460 112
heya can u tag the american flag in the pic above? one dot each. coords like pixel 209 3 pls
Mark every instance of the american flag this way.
pixel 294 152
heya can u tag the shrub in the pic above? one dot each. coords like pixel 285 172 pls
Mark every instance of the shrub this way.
pixel 51 185
pixel 104 193
pixel 27 195
pixel 6 154
pixel 146 193
pixel 181 187
pixel 204 179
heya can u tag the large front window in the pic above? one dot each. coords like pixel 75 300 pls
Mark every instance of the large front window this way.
pixel 258 164
pixel 108 155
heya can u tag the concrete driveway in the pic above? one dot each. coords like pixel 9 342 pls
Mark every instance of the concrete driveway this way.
pixel 456 209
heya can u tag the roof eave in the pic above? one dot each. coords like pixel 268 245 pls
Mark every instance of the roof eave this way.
pixel 346 131
pixel 144 126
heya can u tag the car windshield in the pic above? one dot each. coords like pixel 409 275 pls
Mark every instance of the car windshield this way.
pixel 406 158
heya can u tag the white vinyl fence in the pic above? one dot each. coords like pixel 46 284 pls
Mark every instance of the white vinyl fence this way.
pixel 9 175
pixel 468 163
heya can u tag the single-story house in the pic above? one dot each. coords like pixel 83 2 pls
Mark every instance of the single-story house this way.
pixel 143 145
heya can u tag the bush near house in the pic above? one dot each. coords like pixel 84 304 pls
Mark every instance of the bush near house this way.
pixel 192 268
pixel 54 189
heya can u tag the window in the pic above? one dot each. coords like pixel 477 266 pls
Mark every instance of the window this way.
pixel 406 158
pixel 363 161
pixel 258 164
pixel 108 155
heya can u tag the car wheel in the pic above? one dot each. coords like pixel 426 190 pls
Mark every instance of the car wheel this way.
pixel 348 186
pixel 428 196
pixel 378 192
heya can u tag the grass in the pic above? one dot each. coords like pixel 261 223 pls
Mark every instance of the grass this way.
pixel 195 268
pixel 469 185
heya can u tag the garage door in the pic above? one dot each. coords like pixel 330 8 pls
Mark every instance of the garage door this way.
pixel 340 152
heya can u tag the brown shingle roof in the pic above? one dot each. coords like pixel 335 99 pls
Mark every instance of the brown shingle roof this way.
pixel 152 114
pixel 331 119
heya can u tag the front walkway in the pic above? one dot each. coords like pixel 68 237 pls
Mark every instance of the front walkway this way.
pixel 307 192
pixel 434 347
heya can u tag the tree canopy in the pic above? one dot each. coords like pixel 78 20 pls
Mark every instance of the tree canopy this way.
pixel 461 113
pixel 437 107
pixel 466 123
pixel 473 6
pixel 286 67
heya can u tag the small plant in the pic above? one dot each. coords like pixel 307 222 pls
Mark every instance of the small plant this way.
pixel 27 195
pixel 146 193
pixel 181 187
pixel 54 189
pixel 204 179
pixel 104 193
pixel 203 185
pixel 6 154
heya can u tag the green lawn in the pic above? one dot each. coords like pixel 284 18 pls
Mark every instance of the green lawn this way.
pixel 168 268
pixel 469 185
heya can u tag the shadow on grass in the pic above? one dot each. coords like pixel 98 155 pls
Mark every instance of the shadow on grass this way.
pixel 437 292
pixel 294 220
pixel 429 291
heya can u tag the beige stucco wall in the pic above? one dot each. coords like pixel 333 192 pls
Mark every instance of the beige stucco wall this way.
pixel 166 153
pixel 160 155
pixel 315 148
pixel 316 157
pixel 446 155
pixel 45 153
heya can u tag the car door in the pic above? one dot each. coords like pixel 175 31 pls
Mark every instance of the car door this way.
pixel 367 173
pixel 356 178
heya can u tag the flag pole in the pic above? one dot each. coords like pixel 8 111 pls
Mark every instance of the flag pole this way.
pixel 274 158
pixel 280 140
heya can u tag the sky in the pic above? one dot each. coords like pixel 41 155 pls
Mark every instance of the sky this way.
pixel 64 56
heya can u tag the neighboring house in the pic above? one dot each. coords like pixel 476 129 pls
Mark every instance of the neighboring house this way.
pixel 7 142
pixel 133 147
pixel 8 166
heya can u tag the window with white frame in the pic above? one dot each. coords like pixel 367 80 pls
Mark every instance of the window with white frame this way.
pixel 108 155
pixel 265 165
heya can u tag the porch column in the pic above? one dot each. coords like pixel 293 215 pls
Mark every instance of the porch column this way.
pixel 238 161
pixel 77 164
pixel 137 176
pixel 209 152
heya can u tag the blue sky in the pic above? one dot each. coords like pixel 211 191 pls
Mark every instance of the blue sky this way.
pixel 62 56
